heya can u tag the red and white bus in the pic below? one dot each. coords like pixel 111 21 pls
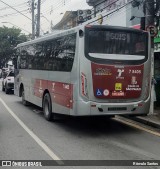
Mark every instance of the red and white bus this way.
pixel 91 70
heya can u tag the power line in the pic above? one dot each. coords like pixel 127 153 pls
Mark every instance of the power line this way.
pixel 45 17
pixel 57 6
pixel 43 1
pixel 22 4
pixel 15 10
pixel 5 15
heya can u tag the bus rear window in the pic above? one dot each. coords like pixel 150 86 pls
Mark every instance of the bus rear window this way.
pixel 116 42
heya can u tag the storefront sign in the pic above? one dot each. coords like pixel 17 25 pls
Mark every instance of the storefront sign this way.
pixel 157 38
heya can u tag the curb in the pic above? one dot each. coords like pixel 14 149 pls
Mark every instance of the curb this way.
pixel 146 122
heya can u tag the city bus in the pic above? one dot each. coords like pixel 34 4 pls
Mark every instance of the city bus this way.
pixel 91 70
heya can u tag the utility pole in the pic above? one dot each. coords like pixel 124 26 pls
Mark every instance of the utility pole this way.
pixel 38 18
pixel 150 16
pixel 149 21
pixel 33 21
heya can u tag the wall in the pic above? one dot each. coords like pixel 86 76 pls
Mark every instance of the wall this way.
pixel 122 16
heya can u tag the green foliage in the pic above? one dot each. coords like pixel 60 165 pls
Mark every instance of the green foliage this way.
pixel 9 38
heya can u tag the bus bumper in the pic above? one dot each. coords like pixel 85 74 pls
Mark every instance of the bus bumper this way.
pixel 91 108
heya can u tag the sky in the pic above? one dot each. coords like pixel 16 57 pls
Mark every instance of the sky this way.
pixel 51 11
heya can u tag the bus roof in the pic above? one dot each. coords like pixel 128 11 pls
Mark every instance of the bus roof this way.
pixel 73 30
pixel 50 36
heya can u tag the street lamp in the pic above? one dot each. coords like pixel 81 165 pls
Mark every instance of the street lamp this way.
pixel 17 26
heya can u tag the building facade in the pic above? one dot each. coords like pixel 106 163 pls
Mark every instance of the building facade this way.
pixel 117 12
pixel 68 21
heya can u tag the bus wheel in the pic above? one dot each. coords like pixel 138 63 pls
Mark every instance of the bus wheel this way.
pixel 24 102
pixel 47 107
pixel 3 88
pixel 6 90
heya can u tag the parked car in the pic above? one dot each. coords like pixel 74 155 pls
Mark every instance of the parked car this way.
pixel 8 82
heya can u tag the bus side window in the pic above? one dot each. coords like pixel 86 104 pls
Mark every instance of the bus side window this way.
pixel 66 53
pixel 18 62
pixel 47 58
pixel 37 61
pixel 59 53
pixel 23 59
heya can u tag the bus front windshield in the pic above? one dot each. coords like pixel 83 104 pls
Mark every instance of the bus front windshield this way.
pixel 116 42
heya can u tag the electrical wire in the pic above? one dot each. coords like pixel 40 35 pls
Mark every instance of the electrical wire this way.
pixel 56 7
pixel 15 14
pixel 43 1
pixel 22 4
pixel 15 10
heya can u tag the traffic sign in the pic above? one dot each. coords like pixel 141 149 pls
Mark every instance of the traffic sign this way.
pixel 152 29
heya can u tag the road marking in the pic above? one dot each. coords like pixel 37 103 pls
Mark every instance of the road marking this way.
pixel 37 139
pixel 132 124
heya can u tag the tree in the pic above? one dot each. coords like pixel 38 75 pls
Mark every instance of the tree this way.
pixel 9 38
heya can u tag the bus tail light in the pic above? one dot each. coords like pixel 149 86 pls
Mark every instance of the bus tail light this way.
pixel 84 85
pixel 140 105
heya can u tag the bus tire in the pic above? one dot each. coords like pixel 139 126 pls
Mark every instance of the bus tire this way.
pixel 6 90
pixel 24 102
pixel 47 107
pixel 3 88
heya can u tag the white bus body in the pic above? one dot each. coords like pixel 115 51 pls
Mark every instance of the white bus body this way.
pixel 86 71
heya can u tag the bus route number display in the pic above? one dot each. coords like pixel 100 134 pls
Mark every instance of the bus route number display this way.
pixel 118 36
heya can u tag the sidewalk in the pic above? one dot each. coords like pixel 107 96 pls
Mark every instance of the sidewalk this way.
pixel 151 120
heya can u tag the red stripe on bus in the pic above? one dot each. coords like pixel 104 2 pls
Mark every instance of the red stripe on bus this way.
pixel 61 93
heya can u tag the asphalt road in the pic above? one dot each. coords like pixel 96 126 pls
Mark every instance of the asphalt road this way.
pixel 26 135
